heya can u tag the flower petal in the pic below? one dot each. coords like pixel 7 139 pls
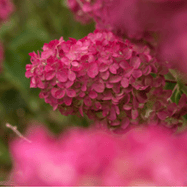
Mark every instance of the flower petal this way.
pixel 162 115
pixel 104 75
pixel 113 68
pixel 114 79
pixel 50 75
pixel 124 82
pixel 103 67
pixel 112 115
pixel 99 87
pixel 71 92
pixel 92 94
pixel 134 114
pixel 135 62
pixel 137 73
pixel 62 76
pixel 93 70
pixel 87 101
pixel 71 76
pixel 127 52
pixel 124 64
pixel 125 123
pixel 58 93
pixel 67 100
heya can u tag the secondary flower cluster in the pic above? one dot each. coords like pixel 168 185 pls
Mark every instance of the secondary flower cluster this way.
pixel 100 75
pixel 165 112
pixel 148 156
pixel 80 15
pixel 6 8
pixel 162 22
pixel 130 17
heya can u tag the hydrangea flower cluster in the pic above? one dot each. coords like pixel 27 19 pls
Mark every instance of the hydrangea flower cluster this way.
pixel 164 111
pixel 6 8
pixel 100 75
pixel 86 10
pixel 137 19
pixel 143 156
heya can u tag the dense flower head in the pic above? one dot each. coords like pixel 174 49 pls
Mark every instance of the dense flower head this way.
pixel 100 75
pixel 143 156
pixel 6 8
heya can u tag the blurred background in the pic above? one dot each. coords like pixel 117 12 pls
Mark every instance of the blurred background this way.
pixel 32 24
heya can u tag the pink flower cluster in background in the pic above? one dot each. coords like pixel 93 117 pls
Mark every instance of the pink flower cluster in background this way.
pixel 160 21
pixel 6 8
pixel 132 18
pixel 143 156
pixel 80 15
pixel 107 78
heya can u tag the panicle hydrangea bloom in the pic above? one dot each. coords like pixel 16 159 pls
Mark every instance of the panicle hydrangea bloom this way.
pixel 144 156
pixel 6 8
pixel 100 75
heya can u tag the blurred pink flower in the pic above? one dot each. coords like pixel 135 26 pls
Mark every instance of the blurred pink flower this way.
pixel 173 43
pixel 6 8
pixel 133 18
pixel 161 23
pixel 80 15
pixel 143 156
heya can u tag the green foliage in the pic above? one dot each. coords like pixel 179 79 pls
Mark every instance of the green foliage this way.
pixel 31 25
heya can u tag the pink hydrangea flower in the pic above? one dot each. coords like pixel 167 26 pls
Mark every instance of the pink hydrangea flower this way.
pixel 144 156
pixel 100 75
pixel 6 8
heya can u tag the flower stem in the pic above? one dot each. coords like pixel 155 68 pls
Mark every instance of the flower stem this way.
pixel 14 128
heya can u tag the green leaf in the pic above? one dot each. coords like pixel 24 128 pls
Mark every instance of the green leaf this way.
pixel 4 154
pixel 14 71
pixel 177 96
